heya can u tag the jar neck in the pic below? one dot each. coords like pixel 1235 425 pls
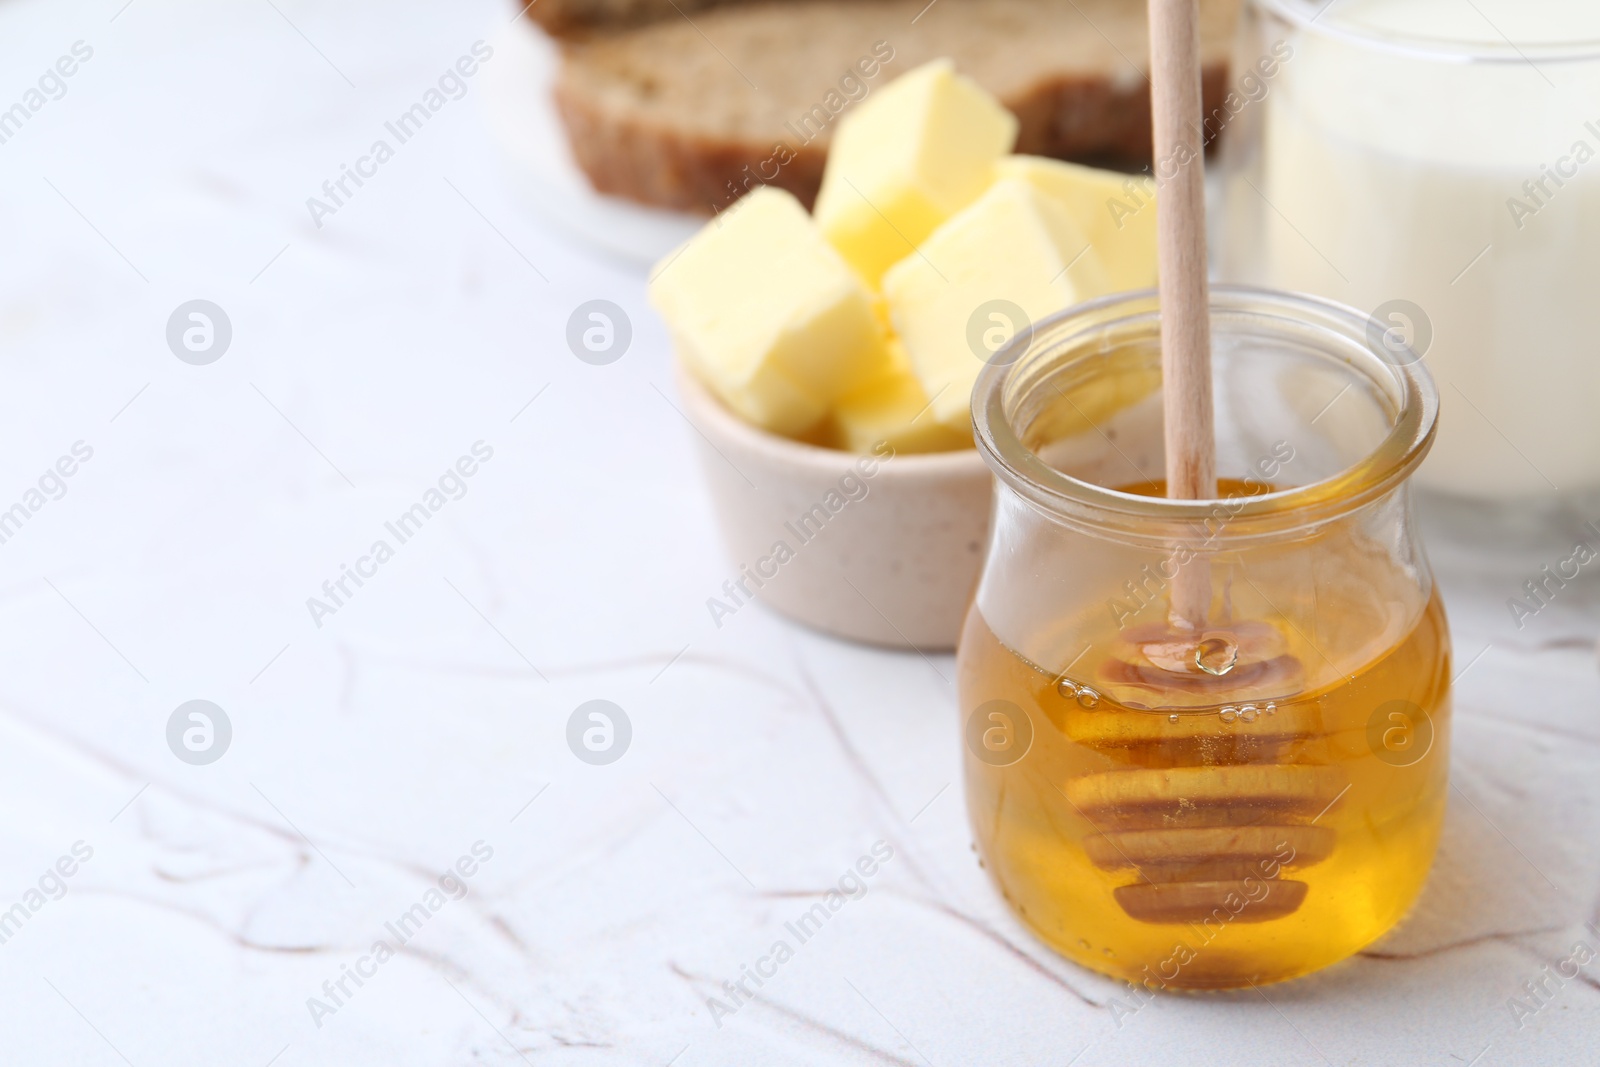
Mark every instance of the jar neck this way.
pixel 1274 351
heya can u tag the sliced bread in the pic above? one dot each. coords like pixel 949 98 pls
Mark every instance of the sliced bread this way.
pixel 691 113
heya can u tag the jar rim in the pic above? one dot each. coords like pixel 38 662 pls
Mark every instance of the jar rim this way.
pixel 1306 15
pixel 1376 474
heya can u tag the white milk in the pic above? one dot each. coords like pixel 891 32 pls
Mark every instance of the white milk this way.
pixel 1381 176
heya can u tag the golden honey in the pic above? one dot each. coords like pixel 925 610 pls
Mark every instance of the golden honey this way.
pixel 1206 742
pixel 1183 829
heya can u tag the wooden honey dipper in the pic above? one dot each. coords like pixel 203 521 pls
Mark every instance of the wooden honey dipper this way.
pixel 1207 808
pixel 1211 812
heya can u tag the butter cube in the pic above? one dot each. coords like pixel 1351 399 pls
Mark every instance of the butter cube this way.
pixel 905 160
pixel 768 316
pixel 1117 212
pixel 1013 246
pixel 893 408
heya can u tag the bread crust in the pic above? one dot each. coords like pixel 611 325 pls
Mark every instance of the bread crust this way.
pixel 678 167
pixel 566 18
pixel 1089 119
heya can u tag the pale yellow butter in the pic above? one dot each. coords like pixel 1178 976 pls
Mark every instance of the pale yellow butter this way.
pixel 768 315
pixel 1117 213
pixel 893 408
pixel 1013 244
pixel 905 160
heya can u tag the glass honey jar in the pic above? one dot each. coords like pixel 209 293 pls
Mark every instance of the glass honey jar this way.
pixel 1250 785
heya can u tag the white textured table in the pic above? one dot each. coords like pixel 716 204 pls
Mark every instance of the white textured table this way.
pixel 428 711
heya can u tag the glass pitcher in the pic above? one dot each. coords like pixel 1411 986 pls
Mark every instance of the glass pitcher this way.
pixel 1253 787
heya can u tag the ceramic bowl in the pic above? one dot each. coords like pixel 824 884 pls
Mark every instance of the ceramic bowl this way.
pixel 880 548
